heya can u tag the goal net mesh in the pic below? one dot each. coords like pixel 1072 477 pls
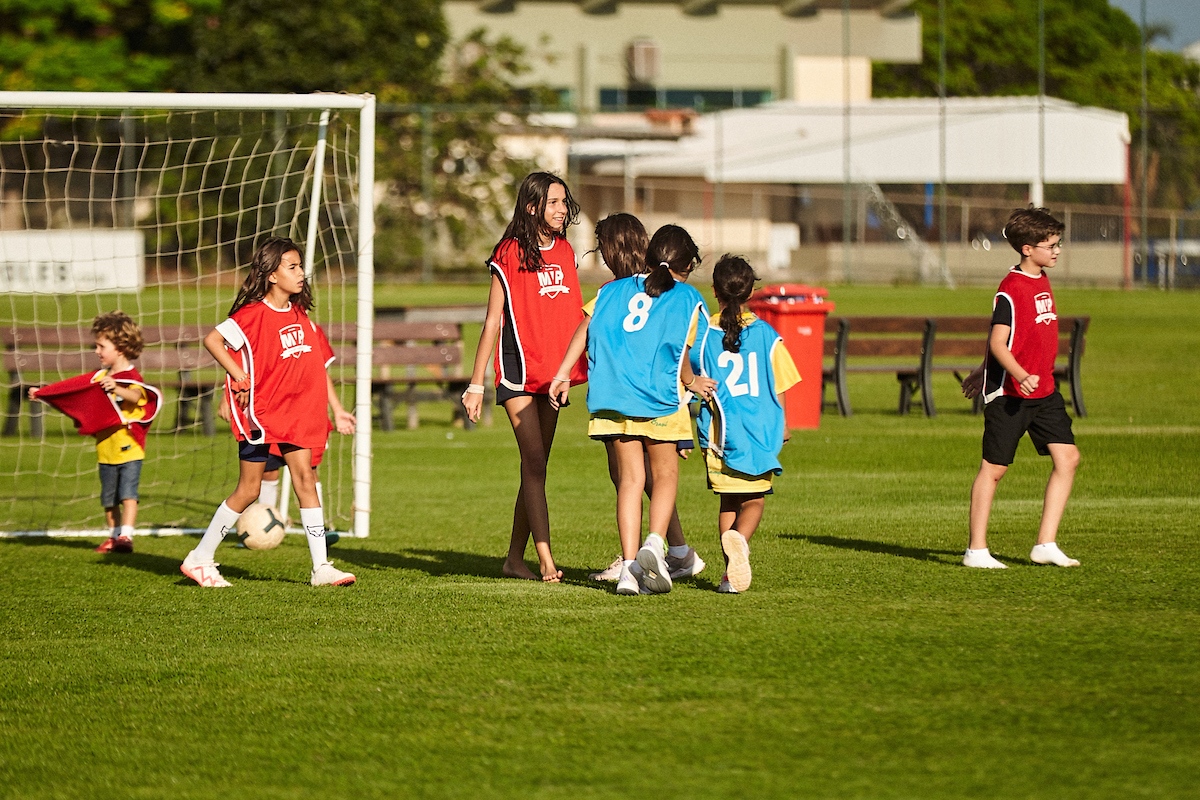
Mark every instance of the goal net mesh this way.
pixel 157 213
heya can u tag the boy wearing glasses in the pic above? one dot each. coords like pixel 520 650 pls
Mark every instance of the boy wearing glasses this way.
pixel 1017 382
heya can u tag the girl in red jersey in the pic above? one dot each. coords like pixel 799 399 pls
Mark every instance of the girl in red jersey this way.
pixel 534 307
pixel 276 359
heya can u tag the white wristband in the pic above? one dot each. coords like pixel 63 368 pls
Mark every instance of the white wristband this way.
pixel 474 388
pixel 564 380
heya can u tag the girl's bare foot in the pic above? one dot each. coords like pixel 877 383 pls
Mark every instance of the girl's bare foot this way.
pixel 517 570
pixel 553 576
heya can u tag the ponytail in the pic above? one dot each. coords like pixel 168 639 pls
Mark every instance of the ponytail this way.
pixel 733 281
pixel 671 250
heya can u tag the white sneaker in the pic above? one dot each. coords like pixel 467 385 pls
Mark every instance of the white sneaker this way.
pixel 737 550
pixel 725 587
pixel 981 559
pixel 610 573
pixel 627 583
pixel 1049 553
pixel 656 577
pixel 685 566
pixel 205 574
pixel 328 575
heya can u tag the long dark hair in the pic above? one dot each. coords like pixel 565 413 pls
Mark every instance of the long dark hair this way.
pixel 671 250
pixel 622 241
pixel 733 281
pixel 266 260
pixel 529 219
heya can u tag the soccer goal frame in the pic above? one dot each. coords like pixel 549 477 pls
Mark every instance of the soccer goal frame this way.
pixel 322 104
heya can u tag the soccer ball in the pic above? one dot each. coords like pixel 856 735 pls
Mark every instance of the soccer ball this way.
pixel 259 527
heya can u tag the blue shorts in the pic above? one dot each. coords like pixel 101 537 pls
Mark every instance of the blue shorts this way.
pixel 119 482
pixel 261 454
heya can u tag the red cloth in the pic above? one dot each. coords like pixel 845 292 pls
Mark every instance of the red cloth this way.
pixel 542 309
pixel 285 354
pixel 94 410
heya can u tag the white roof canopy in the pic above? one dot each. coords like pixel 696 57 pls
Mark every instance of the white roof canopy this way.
pixel 988 140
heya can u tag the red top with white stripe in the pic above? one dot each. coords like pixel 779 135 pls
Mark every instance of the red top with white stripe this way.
pixel 285 354
pixel 1026 304
pixel 542 308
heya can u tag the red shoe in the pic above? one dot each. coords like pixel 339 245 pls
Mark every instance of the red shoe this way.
pixel 122 544
pixel 107 545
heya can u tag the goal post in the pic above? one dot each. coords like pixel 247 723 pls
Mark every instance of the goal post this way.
pixel 153 203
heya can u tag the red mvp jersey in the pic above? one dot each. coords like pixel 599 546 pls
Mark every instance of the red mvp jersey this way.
pixel 94 410
pixel 1025 303
pixel 542 309
pixel 286 355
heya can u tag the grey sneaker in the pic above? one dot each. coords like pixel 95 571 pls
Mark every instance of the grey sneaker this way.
pixel 655 575
pixel 685 566
pixel 328 575
pixel 628 583
pixel 610 573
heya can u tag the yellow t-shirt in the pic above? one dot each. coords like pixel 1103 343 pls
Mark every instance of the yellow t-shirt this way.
pixel 116 445
pixel 786 374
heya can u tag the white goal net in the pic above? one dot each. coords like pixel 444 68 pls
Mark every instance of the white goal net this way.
pixel 153 204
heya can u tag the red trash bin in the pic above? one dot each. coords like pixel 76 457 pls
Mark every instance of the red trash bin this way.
pixel 797 313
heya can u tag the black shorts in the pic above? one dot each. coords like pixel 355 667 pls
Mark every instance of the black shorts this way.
pixel 1006 419
pixel 504 394
pixel 261 453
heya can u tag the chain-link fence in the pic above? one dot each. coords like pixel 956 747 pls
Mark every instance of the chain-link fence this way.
pixel 450 175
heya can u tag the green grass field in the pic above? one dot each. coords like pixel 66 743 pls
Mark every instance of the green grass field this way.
pixel 863 662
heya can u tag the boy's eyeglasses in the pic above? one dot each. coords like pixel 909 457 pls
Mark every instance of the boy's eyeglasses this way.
pixel 1056 247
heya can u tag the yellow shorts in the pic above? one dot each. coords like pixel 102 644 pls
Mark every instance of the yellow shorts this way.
pixel 676 427
pixel 723 480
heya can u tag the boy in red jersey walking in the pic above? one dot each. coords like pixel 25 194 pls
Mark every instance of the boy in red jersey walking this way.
pixel 1017 381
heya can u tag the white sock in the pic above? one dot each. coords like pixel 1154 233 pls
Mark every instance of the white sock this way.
pixel 1049 553
pixel 127 530
pixel 313 520
pixel 634 567
pixel 115 532
pixel 268 493
pixel 222 522
pixel 678 551
pixel 320 495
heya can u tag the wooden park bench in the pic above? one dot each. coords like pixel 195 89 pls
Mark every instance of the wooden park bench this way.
pixel 411 362
pixel 173 359
pixel 914 348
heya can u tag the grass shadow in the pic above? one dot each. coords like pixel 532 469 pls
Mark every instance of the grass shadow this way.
pixel 443 563
pixel 868 546
pixel 437 563
pixel 50 541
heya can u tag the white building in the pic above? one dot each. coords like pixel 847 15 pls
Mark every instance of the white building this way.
pixel 759 181
pixel 607 54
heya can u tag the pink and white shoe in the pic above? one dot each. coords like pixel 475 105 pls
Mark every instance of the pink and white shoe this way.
pixel 327 574
pixel 205 574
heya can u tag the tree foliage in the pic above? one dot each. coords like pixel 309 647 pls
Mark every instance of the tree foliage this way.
pixel 94 45
pixel 381 46
pixel 1093 57
pixel 456 200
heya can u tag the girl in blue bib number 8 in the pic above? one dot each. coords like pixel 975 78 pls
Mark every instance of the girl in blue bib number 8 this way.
pixel 640 379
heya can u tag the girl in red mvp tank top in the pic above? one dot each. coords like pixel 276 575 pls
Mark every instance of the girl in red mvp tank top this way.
pixel 276 361
pixel 533 309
